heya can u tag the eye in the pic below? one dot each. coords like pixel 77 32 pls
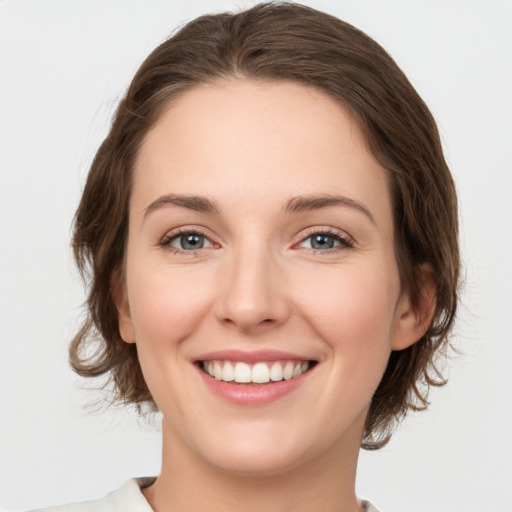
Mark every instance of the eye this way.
pixel 325 241
pixel 186 241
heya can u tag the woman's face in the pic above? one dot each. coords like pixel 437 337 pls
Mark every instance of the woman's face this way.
pixel 260 250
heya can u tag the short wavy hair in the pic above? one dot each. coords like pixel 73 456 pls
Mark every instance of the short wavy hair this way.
pixel 280 41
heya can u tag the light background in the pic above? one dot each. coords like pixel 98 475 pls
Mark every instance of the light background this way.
pixel 63 66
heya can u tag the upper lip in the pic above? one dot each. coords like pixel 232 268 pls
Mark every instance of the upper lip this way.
pixel 250 356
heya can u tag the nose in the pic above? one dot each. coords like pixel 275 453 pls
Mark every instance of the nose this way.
pixel 253 294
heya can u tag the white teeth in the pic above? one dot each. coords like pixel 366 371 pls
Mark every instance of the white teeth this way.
pixel 259 373
pixel 242 372
pixel 217 370
pixel 288 371
pixel 276 372
pixel 228 372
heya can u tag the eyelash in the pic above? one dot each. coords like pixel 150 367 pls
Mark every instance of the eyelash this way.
pixel 344 241
pixel 171 237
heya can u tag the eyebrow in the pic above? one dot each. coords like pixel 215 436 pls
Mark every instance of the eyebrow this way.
pixel 196 203
pixel 295 204
pixel 315 202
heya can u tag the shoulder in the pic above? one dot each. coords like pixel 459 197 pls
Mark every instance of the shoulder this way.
pixel 127 498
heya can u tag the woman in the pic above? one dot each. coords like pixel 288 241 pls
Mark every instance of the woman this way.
pixel 272 233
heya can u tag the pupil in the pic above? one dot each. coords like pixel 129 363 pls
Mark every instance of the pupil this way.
pixel 323 242
pixel 192 241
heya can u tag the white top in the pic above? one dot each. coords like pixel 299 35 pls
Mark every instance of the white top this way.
pixel 129 498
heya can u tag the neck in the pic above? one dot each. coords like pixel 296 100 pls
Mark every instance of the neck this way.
pixel 187 483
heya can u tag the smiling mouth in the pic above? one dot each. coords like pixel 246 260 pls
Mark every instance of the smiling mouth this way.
pixel 257 373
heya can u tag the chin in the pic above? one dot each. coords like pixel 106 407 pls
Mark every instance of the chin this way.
pixel 265 449
pixel 257 462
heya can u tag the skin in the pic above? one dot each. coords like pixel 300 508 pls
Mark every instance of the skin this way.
pixel 258 283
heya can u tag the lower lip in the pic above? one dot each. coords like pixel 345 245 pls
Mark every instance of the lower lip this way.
pixel 252 394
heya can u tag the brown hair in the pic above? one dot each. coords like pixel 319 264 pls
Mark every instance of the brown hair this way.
pixel 280 41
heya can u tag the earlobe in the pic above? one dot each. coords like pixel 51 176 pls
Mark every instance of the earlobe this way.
pixel 124 317
pixel 413 321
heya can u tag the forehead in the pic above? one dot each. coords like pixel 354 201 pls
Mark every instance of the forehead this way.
pixel 246 138
pixel 259 117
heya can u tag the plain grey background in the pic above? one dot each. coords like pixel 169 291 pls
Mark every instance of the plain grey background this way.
pixel 63 66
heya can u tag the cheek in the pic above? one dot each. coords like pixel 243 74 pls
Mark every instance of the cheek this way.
pixel 167 307
pixel 352 309
pixel 166 304
pixel 354 314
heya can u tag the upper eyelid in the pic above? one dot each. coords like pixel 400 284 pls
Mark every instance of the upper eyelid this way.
pixel 345 240
pixel 166 240
pixel 326 230
pixel 301 235
pixel 172 233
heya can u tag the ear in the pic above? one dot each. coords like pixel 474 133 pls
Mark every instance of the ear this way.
pixel 124 317
pixel 413 322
